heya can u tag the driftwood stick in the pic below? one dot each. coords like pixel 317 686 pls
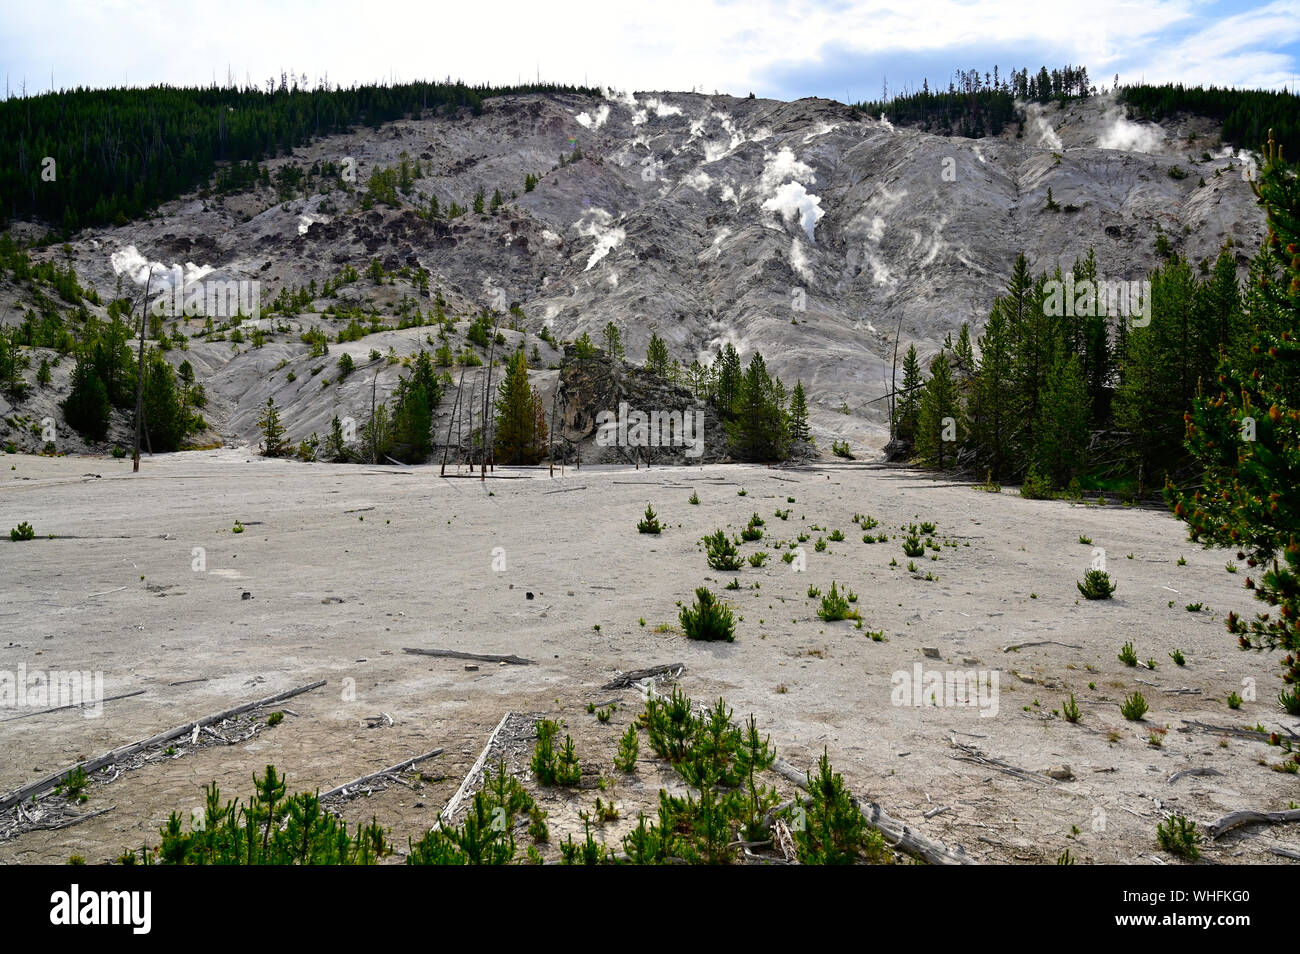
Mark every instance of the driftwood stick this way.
pixel 478 657
pixel 895 831
pixel 1233 730
pixel 69 822
pixel 399 767
pixel 1248 817
pixel 445 815
pixel 91 765
pixel 1041 642
pixel 1194 771
pixel 74 705
pixel 626 679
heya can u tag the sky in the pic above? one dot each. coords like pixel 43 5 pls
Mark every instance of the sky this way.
pixel 838 49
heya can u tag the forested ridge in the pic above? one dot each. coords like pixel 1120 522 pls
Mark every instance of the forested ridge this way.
pixel 118 153
pixel 977 104
pixel 1067 399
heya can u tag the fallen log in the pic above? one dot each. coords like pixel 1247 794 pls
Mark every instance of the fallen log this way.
pixel 74 705
pixel 1234 731
pixel 478 657
pixel 1249 817
pixel 91 765
pixel 392 769
pixel 895 831
pixel 625 680
pixel 445 815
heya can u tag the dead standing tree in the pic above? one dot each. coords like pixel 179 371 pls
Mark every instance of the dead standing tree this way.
pixel 139 374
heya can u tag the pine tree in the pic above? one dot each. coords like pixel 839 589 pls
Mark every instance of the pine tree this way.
pixel 273 437
pixel 993 425
pixel 613 341
pixel 164 418
pixel 799 430
pixel 86 409
pixel 335 448
pixel 516 425
pixel 1063 423
pixel 496 202
pixel 1245 434
pixel 478 201
pixel 727 381
pixel 937 427
pixel 908 408
pixel 759 431
pixel 656 356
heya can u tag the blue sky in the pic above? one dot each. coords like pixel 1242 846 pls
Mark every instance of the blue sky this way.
pixel 832 48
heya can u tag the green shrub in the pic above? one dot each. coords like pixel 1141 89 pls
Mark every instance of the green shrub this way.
pixel 628 746
pixel 1035 487
pixel 1096 585
pixel 721 552
pixel 1134 707
pixel 649 523
pixel 836 607
pixel 23 531
pixel 1127 655
pixel 1070 709
pixel 708 619
pixel 1179 837
pixel 834 831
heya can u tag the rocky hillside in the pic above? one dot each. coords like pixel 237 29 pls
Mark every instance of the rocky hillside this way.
pixel 803 230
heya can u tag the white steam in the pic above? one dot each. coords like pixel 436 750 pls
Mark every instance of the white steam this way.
pixel 130 262
pixel 596 223
pixel 1121 133
pixel 1040 130
pixel 783 186
pixel 593 122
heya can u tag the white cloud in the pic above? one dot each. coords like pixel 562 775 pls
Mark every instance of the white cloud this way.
pixel 636 46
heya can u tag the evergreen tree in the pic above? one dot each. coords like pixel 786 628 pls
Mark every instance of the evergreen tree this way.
pixel 908 408
pixel 86 409
pixel 1063 423
pixel 273 436
pixel 656 356
pixel 335 448
pixel 412 421
pixel 759 430
pixel 993 424
pixel 517 441
pixel 799 430
pixel 727 381
pixel 496 202
pixel 937 429
pixel 164 418
pixel 613 341
pixel 1245 435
